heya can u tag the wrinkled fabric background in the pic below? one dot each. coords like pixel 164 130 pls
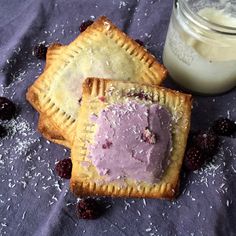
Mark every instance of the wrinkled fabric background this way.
pixel 33 200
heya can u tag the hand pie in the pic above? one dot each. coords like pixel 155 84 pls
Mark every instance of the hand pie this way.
pixel 130 140
pixel 102 51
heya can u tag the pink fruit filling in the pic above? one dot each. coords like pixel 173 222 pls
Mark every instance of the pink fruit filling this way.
pixel 133 141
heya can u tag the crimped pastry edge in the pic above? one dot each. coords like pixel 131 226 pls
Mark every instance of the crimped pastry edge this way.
pixel 45 125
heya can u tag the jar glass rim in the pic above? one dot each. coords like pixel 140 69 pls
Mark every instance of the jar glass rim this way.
pixel 200 21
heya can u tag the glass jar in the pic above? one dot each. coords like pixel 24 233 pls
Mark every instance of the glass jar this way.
pixel 200 47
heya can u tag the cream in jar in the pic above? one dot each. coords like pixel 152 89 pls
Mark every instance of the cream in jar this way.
pixel 198 57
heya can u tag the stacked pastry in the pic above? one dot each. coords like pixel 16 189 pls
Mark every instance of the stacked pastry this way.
pixel 100 96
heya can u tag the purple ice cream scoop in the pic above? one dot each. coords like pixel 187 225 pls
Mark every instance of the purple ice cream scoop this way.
pixel 132 141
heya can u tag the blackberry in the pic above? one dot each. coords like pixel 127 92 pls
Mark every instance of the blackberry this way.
pixel 7 109
pixel 88 209
pixel 85 25
pixel 206 141
pixel 224 127
pixel 3 131
pixel 194 158
pixel 64 168
pixel 40 51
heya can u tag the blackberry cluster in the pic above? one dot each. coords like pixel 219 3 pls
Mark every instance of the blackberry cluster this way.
pixel 207 142
pixel 3 132
pixel 7 109
pixel 88 209
pixel 194 158
pixel 224 127
pixel 64 168
pixel 204 144
pixel 7 112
